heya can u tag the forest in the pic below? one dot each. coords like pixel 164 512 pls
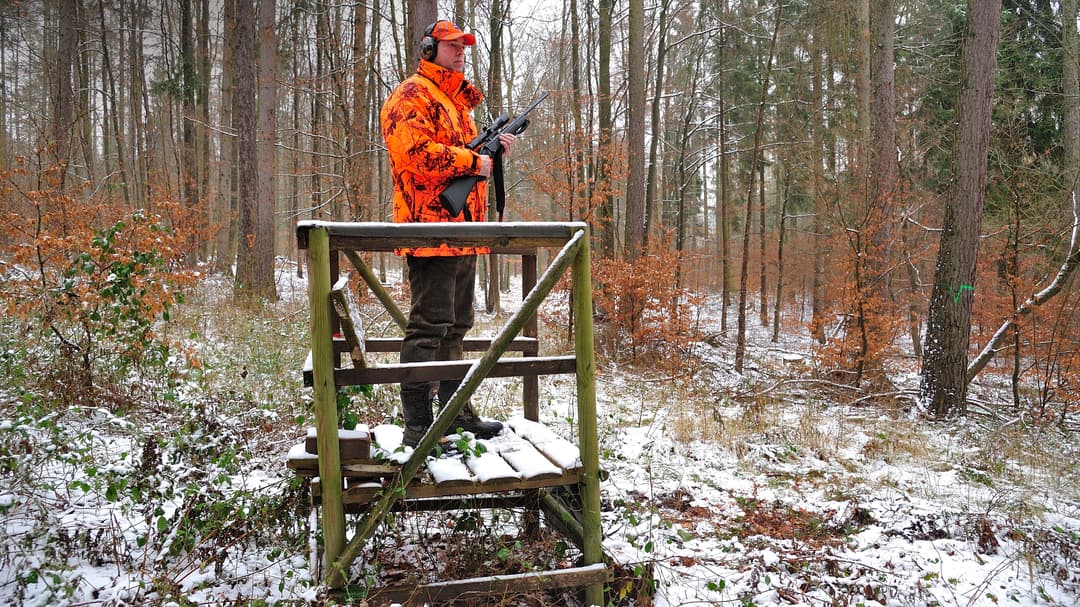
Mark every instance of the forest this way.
pixel 891 184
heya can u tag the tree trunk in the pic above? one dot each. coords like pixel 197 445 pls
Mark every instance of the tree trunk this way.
pixel 635 131
pixel 1071 94
pixel 755 152
pixel 226 203
pixel 246 153
pixel 189 185
pixel 606 212
pixel 113 120
pixel 418 15
pixel 763 257
pixel 943 382
pixel 202 109
pixel 266 152
pixel 578 201
pixel 724 203
pixel 780 256
pixel 817 189
pixel 136 118
pixel 883 186
pixel 862 88
pixel 651 186
pixel 495 103
pixel 358 174
pixel 63 99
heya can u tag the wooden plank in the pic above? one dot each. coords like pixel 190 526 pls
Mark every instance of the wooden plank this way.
pixel 480 501
pixel 448 369
pixel 489 468
pixel 453 369
pixel 501 237
pixel 530 462
pixel 303 466
pixel 362 495
pixel 560 451
pixel 528 345
pixel 496 585
pixel 353 444
pixel 349 321
pixel 450 472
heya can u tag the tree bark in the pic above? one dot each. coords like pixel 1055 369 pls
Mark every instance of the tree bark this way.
pixel 943 381
pixel 755 152
pixel 226 203
pixel 246 147
pixel 763 257
pixel 817 189
pixel 113 119
pixel 499 9
pixel 780 255
pixel 1071 95
pixel 651 185
pixel 189 184
pixel 63 95
pixel 723 204
pixel 264 284
pixel 883 185
pixel 606 212
pixel 635 131
pixel 418 15
pixel 202 109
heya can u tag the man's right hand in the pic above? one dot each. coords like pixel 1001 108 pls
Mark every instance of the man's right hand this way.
pixel 485 166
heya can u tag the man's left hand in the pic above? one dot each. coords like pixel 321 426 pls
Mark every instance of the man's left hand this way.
pixel 506 140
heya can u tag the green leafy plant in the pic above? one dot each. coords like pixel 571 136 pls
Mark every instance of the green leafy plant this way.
pixel 347 407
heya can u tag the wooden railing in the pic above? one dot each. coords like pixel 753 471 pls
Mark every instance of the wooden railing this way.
pixel 323 242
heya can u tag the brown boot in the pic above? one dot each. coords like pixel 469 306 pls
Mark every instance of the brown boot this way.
pixel 416 409
pixel 467 420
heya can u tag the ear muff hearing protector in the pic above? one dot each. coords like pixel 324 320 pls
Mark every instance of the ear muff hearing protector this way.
pixel 429 47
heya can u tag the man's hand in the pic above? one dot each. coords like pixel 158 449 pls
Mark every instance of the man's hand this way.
pixel 506 140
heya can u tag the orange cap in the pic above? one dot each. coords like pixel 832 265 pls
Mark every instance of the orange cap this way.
pixel 446 31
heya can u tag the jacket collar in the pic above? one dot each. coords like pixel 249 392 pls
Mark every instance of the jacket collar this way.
pixel 452 83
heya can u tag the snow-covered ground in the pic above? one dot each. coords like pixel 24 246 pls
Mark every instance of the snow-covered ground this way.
pixel 763 488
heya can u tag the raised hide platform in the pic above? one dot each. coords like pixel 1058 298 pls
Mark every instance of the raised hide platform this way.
pixel 526 455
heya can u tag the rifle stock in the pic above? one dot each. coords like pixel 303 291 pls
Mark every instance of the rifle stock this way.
pixel 456 194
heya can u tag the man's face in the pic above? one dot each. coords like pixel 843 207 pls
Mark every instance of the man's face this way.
pixel 451 55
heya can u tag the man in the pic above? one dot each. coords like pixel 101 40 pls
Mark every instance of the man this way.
pixel 426 125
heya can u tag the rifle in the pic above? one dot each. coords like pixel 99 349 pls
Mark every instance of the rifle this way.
pixel 455 195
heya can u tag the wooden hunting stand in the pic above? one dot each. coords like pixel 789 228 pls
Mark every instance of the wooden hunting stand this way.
pixel 375 489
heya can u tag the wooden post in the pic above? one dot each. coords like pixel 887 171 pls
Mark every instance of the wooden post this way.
pixel 325 397
pixel 530 384
pixel 587 432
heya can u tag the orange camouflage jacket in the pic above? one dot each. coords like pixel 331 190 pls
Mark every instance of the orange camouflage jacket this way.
pixel 426 125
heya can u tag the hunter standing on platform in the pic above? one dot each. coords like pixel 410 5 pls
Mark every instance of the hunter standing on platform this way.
pixel 426 126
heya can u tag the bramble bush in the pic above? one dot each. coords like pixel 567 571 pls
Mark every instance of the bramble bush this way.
pixel 87 287
pixel 119 450
pixel 644 314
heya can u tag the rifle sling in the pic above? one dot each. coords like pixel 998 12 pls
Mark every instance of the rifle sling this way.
pixel 497 178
